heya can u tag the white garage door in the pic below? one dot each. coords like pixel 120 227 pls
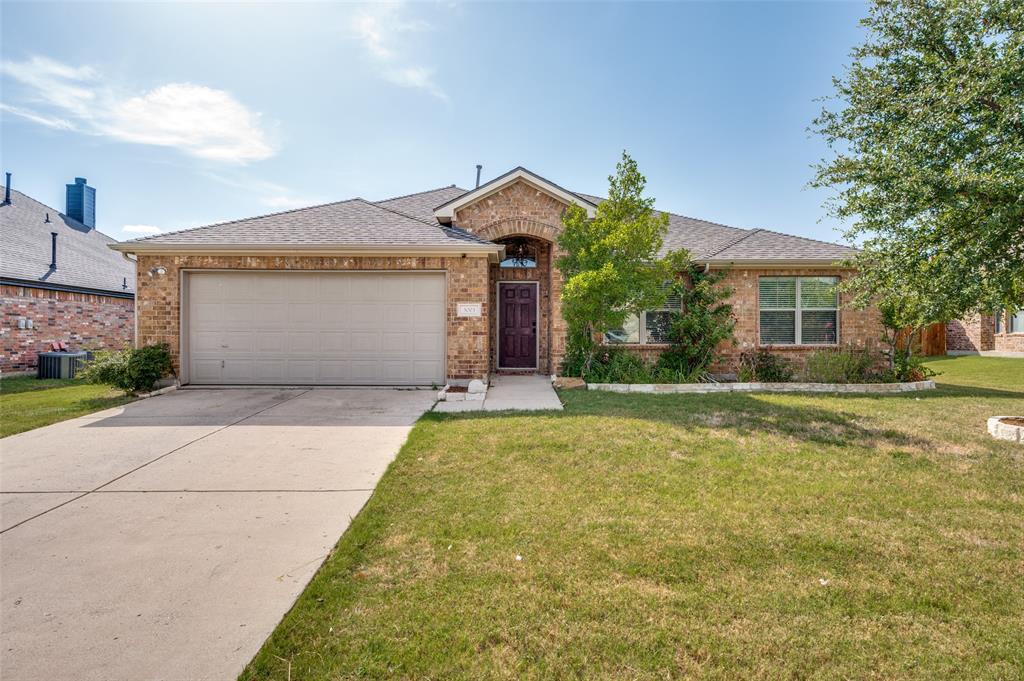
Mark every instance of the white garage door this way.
pixel 324 328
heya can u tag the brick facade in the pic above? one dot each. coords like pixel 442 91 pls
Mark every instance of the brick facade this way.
pixel 518 209
pixel 521 209
pixel 857 328
pixel 468 337
pixel 82 320
pixel 978 334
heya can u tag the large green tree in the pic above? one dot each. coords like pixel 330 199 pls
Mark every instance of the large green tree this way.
pixel 928 165
pixel 611 263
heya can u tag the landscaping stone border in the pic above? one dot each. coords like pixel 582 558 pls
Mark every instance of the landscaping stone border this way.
pixel 700 388
pixel 1006 431
pixel 476 391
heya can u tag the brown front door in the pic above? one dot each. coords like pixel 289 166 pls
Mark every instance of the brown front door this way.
pixel 517 326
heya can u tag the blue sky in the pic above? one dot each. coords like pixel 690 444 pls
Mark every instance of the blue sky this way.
pixel 185 114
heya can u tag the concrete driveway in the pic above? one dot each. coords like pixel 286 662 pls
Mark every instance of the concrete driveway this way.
pixel 166 539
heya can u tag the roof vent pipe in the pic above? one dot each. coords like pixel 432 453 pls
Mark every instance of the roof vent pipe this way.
pixel 53 250
pixel 478 169
pixel 7 190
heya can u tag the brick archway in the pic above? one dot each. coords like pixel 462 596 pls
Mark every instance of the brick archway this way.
pixel 518 227
pixel 551 339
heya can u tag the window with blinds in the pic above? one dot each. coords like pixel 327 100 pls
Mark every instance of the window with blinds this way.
pixel 652 327
pixel 798 310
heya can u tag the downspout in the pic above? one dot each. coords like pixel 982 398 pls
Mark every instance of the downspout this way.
pixel 135 300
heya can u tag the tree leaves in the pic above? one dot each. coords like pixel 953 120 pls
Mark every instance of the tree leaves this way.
pixel 929 154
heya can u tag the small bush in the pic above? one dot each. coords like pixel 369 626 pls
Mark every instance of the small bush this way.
pixel 840 365
pixel 618 365
pixel 765 367
pixel 910 368
pixel 132 370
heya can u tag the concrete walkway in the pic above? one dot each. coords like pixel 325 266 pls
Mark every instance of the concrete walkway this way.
pixel 165 539
pixel 528 392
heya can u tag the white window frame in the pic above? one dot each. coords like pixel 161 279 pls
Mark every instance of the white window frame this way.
pixel 1012 325
pixel 642 338
pixel 797 311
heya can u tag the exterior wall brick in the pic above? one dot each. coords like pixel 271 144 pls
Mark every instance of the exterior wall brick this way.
pixel 978 333
pixel 82 320
pixel 521 209
pixel 468 337
pixel 857 328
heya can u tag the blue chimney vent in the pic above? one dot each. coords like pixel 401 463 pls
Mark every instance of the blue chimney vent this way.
pixel 81 200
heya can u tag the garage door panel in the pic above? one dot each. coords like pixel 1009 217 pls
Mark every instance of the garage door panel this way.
pixel 396 341
pixel 427 343
pixel 302 370
pixel 335 342
pixel 365 342
pixel 426 371
pixel 428 316
pixel 364 315
pixel 302 343
pixel 334 313
pixel 310 328
pixel 237 370
pixel 270 341
pixel 365 287
pixel 269 371
pixel 302 313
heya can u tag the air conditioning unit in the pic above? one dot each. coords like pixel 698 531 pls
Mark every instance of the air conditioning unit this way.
pixel 60 364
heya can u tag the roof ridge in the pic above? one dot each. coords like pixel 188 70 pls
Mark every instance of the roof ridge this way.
pixel 730 244
pixel 377 205
pixel 426 191
pixel 805 238
pixel 678 215
pixel 444 228
pixel 254 217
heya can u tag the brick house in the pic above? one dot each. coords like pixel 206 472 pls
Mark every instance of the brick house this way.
pixel 443 285
pixel 1000 332
pixel 58 279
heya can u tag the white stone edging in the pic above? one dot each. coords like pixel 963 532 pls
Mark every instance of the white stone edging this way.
pixel 1006 431
pixel 701 388
pixel 476 391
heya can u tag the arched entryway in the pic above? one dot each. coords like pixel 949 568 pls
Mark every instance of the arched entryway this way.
pixel 521 288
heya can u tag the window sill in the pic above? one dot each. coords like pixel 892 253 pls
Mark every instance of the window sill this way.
pixel 639 346
pixel 794 346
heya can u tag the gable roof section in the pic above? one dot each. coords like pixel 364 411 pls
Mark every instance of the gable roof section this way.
pixel 446 211
pixel 421 204
pixel 764 245
pixel 354 225
pixel 84 260
pixel 711 242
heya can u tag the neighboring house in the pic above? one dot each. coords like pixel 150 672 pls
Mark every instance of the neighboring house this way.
pixel 998 332
pixel 443 285
pixel 58 279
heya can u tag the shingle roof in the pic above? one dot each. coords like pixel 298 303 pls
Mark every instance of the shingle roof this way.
pixel 713 241
pixel 421 204
pixel 83 258
pixel 764 244
pixel 354 222
pixel 409 221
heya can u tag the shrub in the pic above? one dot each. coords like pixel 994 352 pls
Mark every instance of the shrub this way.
pixel 132 370
pixel 840 365
pixel 765 367
pixel 618 365
pixel 704 322
pixel 910 368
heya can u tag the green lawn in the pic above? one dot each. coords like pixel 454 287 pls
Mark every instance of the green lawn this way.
pixel 27 402
pixel 686 536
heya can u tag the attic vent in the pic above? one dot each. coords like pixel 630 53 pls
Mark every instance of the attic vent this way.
pixel 53 250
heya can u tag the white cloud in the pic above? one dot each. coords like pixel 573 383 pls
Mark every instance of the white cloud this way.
pixel 270 194
pixel 141 229
pixel 416 77
pixel 198 120
pixel 381 29
pixel 48 121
